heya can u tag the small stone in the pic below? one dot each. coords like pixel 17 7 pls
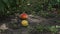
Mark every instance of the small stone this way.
pixel 7 11
pixel 28 4
pixel 3 27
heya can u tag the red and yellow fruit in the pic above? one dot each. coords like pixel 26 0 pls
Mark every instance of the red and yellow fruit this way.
pixel 24 23
pixel 23 16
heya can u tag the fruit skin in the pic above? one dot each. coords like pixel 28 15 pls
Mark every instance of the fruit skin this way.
pixel 23 16
pixel 24 23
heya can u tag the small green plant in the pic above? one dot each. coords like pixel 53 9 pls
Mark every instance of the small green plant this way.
pixel 53 29
pixel 39 28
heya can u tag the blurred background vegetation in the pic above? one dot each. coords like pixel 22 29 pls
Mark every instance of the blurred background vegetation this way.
pixel 44 8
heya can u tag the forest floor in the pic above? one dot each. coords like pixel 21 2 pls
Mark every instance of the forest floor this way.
pixel 33 21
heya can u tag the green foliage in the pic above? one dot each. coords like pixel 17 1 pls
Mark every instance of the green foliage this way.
pixel 10 7
pixel 42 28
